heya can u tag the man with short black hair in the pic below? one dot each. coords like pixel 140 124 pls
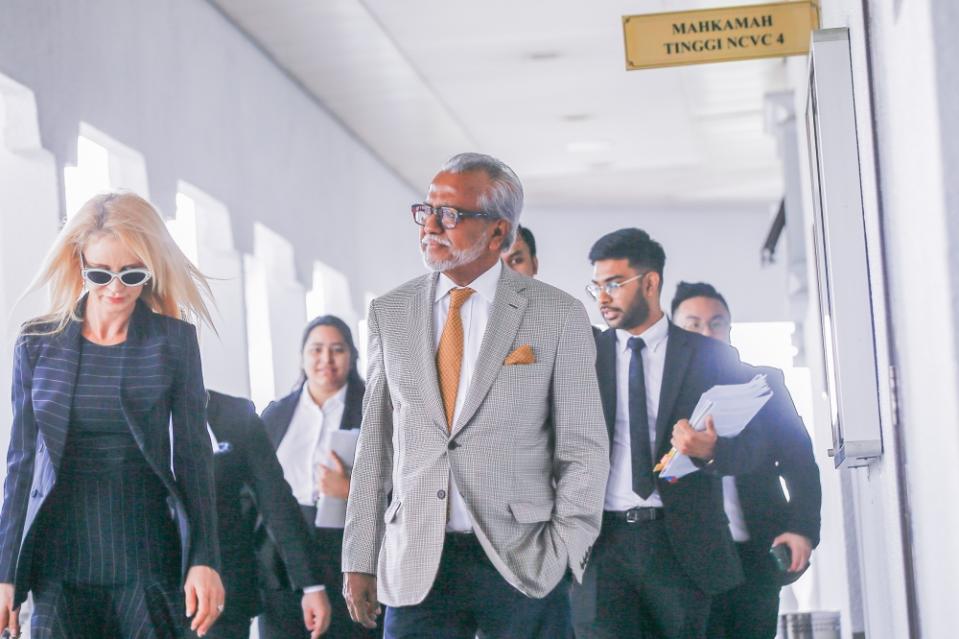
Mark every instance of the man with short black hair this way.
pixel 704 310
pixel 760 516
pixel 521 256
pixel 664 548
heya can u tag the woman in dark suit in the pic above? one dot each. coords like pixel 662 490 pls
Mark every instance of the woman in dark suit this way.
pixel 107 396
pixel 328 397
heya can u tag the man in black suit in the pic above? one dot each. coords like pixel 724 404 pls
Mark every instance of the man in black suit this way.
pixel 250 486
pixel 760 515
pixel 665 548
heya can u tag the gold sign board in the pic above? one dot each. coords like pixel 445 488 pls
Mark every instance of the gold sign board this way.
pixel 719 35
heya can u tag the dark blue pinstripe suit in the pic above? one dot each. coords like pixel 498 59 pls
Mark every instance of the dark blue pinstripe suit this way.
pixel 44 376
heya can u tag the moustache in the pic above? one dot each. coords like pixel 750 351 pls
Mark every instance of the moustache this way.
pixel 432 239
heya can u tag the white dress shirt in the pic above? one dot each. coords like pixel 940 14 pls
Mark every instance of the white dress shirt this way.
pixel 307 442
pixel 619 489
pixel 475 314
pixel 734 510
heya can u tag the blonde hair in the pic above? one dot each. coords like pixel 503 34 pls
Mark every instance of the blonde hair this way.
pixel 177 289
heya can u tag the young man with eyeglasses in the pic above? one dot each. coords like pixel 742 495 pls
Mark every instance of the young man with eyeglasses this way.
pixel 665 548
pixel 760 515
pixel 482 431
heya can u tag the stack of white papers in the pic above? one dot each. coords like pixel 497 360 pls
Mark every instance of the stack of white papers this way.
pixel 331 511
pixel 731 406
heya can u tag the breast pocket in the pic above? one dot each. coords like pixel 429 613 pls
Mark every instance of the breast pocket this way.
pixel 524 380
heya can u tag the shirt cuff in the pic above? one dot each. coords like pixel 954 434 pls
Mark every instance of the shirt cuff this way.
pixel 310 589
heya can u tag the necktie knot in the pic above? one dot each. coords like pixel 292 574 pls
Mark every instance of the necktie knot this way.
pixel 458 297
pixel 636 344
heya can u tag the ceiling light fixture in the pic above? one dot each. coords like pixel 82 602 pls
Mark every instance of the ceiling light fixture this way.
pixel 543 56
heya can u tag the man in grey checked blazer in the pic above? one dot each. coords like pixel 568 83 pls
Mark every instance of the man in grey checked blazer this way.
pixel 473 523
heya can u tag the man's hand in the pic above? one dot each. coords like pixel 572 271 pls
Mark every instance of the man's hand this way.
pixel 204 598
pixel 316 612
pixel 9 616
pixel 335 482
pixel 694 443
pixel 359 590
pixel 800 549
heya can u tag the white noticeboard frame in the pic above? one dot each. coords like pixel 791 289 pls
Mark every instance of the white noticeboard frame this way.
pixel 842 259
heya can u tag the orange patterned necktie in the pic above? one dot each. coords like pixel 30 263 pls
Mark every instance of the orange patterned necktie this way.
pixel 449 355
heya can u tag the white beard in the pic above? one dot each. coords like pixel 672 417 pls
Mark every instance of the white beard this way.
pixel 457 259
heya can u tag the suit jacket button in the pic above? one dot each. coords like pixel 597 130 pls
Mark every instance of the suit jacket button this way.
pixel 453 445
pixel 441 494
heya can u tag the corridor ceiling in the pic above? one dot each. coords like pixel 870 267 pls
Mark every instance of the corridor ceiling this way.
pixel 542 85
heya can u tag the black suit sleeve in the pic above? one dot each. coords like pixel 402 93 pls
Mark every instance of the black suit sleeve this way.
pixel 747 451
pixel 278 508
pixel 20 462
pixel 793 451
pixel 192 454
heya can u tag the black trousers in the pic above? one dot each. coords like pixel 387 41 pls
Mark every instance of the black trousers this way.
pixel 634 587
pixel 749 611
pixel 107 557
pixel 230 627
pixel 469 598
pixel 66 611
pixel 282 616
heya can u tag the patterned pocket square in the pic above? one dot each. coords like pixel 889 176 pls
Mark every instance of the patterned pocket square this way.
pixel 522 355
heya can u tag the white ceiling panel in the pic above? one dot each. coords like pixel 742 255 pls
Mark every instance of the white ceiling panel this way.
pixel 541 85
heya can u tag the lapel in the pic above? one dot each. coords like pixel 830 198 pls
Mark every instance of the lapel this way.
pixel 353 409
pixel 423 345
pixel 54 420
pixel 138 334
pixel 278 420
pixel 678 354
pixel 501 328
pixel 606 373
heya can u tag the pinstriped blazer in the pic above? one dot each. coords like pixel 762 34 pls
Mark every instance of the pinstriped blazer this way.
pixel 529 451
pixel 162 385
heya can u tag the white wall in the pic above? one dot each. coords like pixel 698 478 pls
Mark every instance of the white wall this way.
pixel 28 223
pixel 204 224
pixel 720 245
pixel 909 149
pixel 915 80
pixel 179 84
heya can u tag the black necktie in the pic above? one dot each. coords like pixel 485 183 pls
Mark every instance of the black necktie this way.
pixel 643 481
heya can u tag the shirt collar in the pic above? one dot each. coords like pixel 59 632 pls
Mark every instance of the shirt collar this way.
pixel 484 285
pixel 654 336
pixel 333 402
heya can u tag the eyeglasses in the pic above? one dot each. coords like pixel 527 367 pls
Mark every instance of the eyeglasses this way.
pixel 102 276
pixel 610 287
pixel 449 216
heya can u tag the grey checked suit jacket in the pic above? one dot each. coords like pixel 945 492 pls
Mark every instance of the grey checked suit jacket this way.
pixel 529 452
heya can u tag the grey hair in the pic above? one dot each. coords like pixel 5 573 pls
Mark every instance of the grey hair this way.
pixel 504 199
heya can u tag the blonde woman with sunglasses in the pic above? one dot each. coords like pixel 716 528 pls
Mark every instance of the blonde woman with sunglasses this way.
pixel 109 515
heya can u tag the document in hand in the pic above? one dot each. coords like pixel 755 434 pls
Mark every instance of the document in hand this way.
pixel 331 511
pixel 732 406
